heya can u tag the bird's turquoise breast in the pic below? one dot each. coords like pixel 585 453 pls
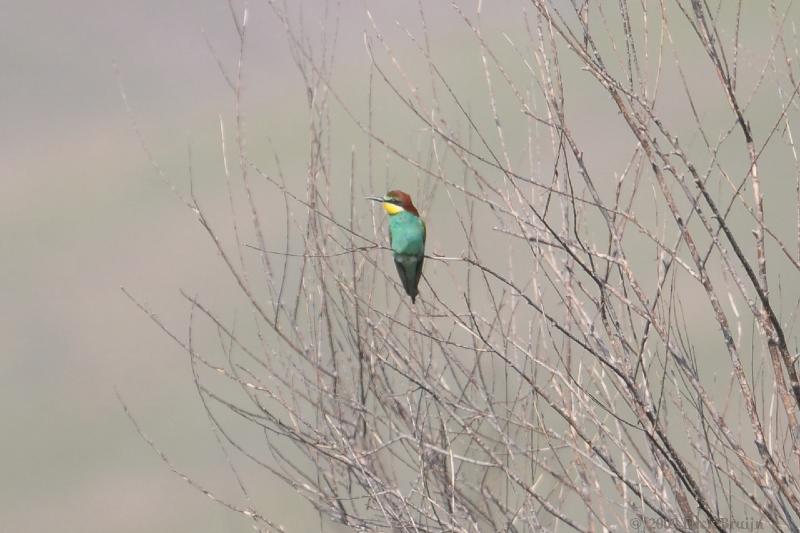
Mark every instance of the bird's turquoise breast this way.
pixel 408 234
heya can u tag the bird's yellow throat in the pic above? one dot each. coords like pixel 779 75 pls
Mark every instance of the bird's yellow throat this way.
pixel 391 208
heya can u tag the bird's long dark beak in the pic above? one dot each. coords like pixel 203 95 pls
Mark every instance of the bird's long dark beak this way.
pixel 374 198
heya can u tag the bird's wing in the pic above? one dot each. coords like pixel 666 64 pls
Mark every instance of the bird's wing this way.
pixel 424 231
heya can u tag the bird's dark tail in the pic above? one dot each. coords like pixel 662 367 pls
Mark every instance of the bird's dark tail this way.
pixel 409 269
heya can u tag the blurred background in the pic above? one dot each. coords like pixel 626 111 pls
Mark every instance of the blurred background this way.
pixel 83 213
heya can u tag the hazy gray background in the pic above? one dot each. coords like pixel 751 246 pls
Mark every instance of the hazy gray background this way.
pixel 82 213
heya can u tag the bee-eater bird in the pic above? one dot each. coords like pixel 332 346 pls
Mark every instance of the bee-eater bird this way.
pixel 406 237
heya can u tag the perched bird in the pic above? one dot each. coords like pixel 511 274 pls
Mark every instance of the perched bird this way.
pixel 406 237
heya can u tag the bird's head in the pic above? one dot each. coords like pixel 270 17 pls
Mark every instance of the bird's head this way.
pixel 396 202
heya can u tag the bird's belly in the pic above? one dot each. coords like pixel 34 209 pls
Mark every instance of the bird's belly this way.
pixel 402 244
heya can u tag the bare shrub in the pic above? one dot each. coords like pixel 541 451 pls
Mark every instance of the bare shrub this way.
pixel 605 336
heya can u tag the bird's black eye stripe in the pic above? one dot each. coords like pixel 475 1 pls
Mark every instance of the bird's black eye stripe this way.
pixel 391 201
